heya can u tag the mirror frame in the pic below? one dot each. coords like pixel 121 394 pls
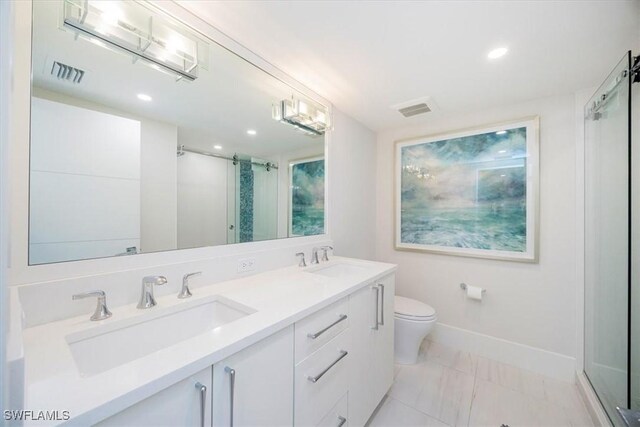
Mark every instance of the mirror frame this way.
pixel 20 272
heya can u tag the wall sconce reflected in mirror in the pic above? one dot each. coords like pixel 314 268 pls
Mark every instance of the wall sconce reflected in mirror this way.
pixel 307 116
pixel 134 29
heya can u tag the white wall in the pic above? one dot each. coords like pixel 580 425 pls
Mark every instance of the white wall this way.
pixel 158 186
pixel 529 304
pixel 202 201
pixel 84 183
pixel 352 188
pixel 158 198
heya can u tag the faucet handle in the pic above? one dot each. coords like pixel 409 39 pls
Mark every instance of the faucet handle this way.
pixel 325 249
pixel 186 292
pixel 101 312
pixel 302 262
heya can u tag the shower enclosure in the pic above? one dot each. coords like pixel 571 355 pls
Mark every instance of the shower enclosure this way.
pixel 225 199
pixel 612 325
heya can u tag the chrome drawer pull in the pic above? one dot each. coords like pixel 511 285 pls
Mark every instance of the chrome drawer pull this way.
pixel 203 401
pixel 317 334
pixel 382 306
pixel 232 387
pixel 341 421
pixel 375 327
pixel 315 379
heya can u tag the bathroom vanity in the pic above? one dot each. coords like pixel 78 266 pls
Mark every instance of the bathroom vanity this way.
pixel 294 346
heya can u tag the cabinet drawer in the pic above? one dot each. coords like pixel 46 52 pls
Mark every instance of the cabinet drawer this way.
pixel 316 330
pixel 338 416
pixel 320 378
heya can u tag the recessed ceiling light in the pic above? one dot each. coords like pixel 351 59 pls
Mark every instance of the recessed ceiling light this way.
pixel 251 132
pixel 497 53
pixel 501 132
pixel 144 97
pixel 217 147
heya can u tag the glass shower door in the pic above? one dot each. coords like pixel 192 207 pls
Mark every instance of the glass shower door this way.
pixel 607 241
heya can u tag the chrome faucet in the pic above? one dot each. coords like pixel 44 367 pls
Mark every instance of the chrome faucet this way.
pixel 186 292
pixel 146 297
pixel 325 249
pixel 314 256
pixel 302 262
pixel 102 312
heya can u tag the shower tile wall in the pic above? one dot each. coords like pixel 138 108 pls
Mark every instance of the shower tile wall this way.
pixel 246 202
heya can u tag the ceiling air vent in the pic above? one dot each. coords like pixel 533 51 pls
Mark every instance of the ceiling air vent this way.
pixel 414 110
pixel 67 72
pixel 415 107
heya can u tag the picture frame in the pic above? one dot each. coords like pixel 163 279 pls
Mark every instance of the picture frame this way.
pixel 309 217
pixel 470 192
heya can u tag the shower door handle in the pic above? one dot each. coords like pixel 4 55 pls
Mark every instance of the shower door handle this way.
pixel 630 418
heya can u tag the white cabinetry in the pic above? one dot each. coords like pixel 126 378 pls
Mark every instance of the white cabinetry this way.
pixel 371 375
pixel 178 405
pixel 255 385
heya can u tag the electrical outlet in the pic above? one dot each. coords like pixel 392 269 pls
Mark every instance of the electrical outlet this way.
pixel 246 264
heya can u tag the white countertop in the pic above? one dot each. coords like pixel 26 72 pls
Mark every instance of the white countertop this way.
pixel 280 298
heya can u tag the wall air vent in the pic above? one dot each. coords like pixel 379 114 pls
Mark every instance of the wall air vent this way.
pixel 67 72
pixel 414 110
pixel 415 107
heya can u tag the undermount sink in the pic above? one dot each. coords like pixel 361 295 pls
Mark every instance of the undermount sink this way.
pixel 341 269
pixel 113 344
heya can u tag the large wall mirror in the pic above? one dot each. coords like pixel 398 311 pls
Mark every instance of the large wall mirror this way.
pixel 147 136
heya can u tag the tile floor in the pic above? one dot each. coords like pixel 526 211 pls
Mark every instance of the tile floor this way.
pixel 451 388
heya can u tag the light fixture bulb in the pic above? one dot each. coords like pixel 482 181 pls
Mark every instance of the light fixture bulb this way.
pixel 251 132
pixel 217 147
pixel 144 97
pixel 497 53
pixel 501 132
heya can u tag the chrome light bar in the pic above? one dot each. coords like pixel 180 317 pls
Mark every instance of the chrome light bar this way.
pixel 134 29
pixel 307 116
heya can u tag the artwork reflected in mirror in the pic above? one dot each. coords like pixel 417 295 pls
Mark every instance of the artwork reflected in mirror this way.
pixel 307 197
pixel 469 193
pixel 147 139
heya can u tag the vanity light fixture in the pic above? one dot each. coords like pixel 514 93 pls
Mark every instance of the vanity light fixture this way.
pixel 305 115
pixel 139 31
pixel 251 132
pixel 217 147
pixel 144 97
pixel 497 53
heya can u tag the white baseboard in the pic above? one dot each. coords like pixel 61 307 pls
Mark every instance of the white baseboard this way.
pixel 547 363
pixel 591 401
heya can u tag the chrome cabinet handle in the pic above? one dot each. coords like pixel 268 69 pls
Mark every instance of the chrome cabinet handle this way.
pixel 315 379
pixel 375 326
pixel 317 334
pixel 232 388
pixel 381 286
pixel 203 401
pixel 341 421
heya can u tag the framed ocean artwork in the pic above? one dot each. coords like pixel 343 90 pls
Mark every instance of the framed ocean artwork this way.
pixel 306 197
pixel 470 193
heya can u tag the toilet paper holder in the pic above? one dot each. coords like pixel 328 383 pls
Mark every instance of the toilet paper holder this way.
pixel 463 286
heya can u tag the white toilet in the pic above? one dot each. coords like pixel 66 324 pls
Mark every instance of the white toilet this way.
pixel 413 321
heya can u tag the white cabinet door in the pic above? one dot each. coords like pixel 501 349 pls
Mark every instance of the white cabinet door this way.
pixel 178 405
pixel 372 364
pixel 383 346
pixel 362 308
pixel 255 385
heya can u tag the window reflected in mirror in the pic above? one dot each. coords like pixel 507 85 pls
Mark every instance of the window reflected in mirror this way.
pixel 131 153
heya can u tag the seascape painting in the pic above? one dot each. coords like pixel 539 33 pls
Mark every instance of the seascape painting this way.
pixel 307 197
pixel 468 194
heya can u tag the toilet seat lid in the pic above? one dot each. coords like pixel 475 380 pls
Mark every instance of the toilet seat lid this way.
pixel 411 308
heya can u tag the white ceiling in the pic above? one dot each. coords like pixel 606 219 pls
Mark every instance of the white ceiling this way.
pixel 365 56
